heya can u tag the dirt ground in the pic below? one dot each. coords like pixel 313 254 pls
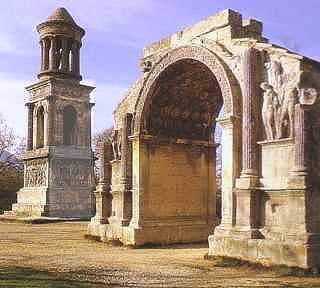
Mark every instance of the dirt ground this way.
pixel 61 249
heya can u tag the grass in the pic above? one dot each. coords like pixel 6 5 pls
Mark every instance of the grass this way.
pixel 27 277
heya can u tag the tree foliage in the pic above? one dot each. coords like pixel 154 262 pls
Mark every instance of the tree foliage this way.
pixel 101 137
pixel 11 167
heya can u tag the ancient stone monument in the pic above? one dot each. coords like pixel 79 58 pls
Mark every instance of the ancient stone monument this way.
pixel 158 182
pixel 58 163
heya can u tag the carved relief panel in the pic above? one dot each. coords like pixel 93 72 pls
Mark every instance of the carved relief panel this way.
pixel 36 173
pixel 281 92
pixel 71 173
pixel 185 102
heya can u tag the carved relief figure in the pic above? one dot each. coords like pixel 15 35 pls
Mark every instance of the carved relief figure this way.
pixel 269 109
pixel 284 86
pixel 287 110
pixel 36 173
pixel 116 144
pixel 275 71
pixel 72 173
pixel 308 96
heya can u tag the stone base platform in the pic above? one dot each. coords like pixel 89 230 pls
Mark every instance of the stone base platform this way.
pixel 22 210
pixel 157 235
pixel 27 210
pixel 37 220
pixel 266 252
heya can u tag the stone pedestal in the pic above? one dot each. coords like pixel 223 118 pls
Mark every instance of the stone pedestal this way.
pixel 180 209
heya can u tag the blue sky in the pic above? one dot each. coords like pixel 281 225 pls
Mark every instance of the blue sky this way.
pixel 116 32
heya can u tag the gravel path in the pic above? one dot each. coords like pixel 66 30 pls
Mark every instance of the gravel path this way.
pixel 61 247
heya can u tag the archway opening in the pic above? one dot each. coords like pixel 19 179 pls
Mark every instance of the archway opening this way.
pixel 180 118
pixel 40 127
pixel 185 101
pixel 69 125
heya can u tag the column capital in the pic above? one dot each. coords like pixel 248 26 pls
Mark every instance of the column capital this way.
pixel 29 105
pixel 228 121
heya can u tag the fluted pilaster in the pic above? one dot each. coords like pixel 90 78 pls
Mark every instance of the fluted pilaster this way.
pixel 250 113
pixel 301 128
pixel 126 170
pixel 30 126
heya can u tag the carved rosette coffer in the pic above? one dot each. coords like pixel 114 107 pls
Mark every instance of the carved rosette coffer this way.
pixel 250 118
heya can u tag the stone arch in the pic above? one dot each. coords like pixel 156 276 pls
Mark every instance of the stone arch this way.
pixel 40 127
pixel 229 88
pixel 185 160
pixel 69 125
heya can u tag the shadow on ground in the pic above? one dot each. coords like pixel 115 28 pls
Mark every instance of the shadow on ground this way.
pixel 27 277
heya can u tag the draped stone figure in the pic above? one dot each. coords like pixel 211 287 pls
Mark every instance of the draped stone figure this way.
pixel 269 109
pixel 287 110
pixel 115 140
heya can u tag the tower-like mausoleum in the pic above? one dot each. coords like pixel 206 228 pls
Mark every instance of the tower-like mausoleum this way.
pixel 58 177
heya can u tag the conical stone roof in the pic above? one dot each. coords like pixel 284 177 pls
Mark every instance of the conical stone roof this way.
pixel 61 14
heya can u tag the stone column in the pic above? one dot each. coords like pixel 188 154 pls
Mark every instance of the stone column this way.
pixel 30 126
pixel 53 54
pixel 58 122
pixel 42 55
pixel 91 105
pixel 126 171
pixel 50 123
pixel 230 168
pixel 301 128
pixel 247 199
pixel 250 114
pixel 102 193
pixel 64 55
pixel 140 175
pixel 75 65
pixel 210 151
pixel 35 126
pixel 46 127
pixel 298 175
pixel 46 48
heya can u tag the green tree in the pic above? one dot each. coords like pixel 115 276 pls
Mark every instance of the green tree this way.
pixel 11 168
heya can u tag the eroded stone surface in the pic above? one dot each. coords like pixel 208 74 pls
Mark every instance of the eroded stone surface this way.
pixel 58 179
pixel 269 144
